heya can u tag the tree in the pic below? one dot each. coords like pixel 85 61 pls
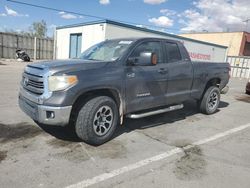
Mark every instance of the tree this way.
pixel 39 29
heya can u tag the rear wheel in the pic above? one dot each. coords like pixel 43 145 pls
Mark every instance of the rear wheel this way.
pixel 97 120
pixel 210 101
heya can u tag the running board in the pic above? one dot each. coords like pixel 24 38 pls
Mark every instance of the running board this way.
pixel 171 108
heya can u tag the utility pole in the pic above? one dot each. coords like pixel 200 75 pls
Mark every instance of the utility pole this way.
pixel 247 20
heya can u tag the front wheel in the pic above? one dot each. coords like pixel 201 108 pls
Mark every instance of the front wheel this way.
pixel 210 101
pixel 97 120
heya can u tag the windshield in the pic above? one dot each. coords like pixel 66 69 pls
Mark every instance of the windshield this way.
pixel 109 50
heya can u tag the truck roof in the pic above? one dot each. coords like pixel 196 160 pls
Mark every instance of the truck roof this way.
pixel 145 38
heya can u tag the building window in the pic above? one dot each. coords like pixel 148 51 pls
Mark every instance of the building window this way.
pixel 75 45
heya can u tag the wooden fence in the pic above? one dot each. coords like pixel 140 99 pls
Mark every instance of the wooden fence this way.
pixel 36 48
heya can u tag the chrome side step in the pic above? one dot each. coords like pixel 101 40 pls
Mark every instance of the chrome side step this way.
pixel 171 108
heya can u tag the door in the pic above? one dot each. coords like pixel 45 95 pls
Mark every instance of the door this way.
pixel 75 45
pixel 146 84
pixel 180 74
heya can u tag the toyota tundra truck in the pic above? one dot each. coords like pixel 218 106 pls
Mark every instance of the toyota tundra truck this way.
pixel 129 77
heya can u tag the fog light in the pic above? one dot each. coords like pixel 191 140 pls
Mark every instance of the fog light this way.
pixel 50 114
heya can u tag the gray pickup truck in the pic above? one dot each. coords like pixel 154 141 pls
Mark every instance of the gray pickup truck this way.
pixel 132 77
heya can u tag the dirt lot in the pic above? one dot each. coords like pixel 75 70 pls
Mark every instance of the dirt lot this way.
pixel 177 149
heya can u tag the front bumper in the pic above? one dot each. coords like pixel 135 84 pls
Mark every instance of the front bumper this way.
pixel 45 114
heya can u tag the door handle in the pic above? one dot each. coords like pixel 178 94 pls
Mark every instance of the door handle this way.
pixel 131 75
pixel 162 71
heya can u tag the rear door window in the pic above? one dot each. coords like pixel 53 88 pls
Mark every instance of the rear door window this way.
pixel 173 52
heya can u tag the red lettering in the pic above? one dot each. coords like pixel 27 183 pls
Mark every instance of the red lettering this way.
pixel 194 55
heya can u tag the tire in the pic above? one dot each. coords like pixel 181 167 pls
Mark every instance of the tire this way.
pixel 210 100
pixel 97 120
pixel 26 58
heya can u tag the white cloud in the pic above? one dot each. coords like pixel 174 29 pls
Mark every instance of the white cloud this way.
pixel 162 21
pixel 104 2
pixel 168 12
pixel 19 30
pixel 52 26
pixel 11 12
pixel 141 26
pixel 68 16
pixel 3 14
pixel 154 2
pixel 216 15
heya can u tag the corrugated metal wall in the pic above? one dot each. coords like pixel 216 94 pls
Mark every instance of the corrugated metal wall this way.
pixel 9 43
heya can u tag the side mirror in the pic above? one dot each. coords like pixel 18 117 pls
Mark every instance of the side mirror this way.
pixel 145 59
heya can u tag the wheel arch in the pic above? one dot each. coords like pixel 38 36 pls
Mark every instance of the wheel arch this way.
pixel 213 82
pixel 85 96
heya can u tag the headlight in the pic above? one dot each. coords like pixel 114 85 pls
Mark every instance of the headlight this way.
pixel 57 83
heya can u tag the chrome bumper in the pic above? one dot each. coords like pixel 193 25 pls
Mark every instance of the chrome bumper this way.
pixel 45 114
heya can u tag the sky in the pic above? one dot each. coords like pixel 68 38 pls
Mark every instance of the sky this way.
pixel 172 16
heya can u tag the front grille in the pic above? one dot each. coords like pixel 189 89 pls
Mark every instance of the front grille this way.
pixel 33 83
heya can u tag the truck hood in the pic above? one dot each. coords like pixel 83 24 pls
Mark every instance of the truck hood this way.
pixel 69 65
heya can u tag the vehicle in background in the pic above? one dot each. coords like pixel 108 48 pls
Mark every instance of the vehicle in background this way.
pixel 132 77
pixel 22 56
pixel 248 87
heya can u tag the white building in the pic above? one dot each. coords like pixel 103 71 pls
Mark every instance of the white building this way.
pixel 71 40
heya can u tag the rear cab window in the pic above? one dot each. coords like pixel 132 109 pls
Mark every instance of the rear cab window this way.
pixel 173 52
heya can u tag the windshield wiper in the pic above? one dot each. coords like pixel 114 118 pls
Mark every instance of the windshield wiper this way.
pixel 92 59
